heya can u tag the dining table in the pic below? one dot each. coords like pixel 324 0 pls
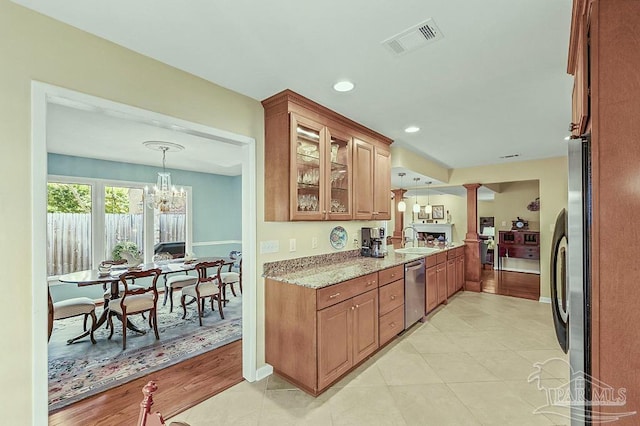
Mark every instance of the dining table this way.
pixel 112 279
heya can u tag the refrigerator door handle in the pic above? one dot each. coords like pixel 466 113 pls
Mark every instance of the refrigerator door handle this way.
pixel 559 253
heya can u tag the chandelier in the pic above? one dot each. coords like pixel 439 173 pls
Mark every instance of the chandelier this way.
pixel 164 196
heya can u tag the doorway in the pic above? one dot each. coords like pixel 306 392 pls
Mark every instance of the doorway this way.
pixel 43 96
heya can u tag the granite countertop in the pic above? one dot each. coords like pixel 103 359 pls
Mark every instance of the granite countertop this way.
pixel 323 275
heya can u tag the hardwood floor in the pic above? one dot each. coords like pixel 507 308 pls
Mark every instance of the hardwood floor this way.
pixel 516 284
pixel 179 387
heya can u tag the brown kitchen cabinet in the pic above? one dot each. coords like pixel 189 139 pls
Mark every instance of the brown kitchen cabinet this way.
pixel 603 52
pixel 309 162
pixel 347 334
pixel 371 166
pixel 321 161
pixel 519 244
pixel 441 277
pixel 460 269
pixel 432 288
pixel 314 336
pixel 451 277
pixel 391 303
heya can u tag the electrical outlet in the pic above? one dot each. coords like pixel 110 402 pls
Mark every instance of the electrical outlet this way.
pixel 314 242
pixel 292 244
pixel 504 223
pixel 272 246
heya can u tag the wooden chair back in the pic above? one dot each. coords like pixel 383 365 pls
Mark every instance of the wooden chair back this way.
pixel 203 277
pixel 49 314
pixel 129 278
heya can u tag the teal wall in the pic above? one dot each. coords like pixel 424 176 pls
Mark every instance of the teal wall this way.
pixel 217 203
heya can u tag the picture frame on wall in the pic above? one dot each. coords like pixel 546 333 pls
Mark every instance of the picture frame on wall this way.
pixel 437 212
pixel 422 214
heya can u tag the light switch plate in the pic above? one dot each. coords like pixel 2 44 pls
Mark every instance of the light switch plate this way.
pixel 292 244
pixel 271 246
pixel 314 242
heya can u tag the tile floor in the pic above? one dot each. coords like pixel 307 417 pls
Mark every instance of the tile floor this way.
pixel 468 364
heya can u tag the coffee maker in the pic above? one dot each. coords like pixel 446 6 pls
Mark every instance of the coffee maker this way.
pixel 372 242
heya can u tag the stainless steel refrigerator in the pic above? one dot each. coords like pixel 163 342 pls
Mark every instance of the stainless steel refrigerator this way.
pixel 571 277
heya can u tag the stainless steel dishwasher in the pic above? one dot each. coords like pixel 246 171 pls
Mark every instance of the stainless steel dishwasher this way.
pixel 414 292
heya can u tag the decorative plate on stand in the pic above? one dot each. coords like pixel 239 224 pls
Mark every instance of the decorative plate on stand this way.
pixel 338 237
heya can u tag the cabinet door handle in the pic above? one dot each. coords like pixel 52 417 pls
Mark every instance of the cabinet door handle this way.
pixel 393 297
pixel 392 325
pixel 333 296
pixel 357 306
pixel 353 307
pixel 374 213
pixel 370 283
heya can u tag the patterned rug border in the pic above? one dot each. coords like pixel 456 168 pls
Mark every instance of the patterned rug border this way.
pixel 201 344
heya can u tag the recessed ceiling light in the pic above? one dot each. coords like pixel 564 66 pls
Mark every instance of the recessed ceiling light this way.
pixel 510 156
pixel 343 86
pixel 412 129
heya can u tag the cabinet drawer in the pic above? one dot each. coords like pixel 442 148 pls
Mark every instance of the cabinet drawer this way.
pixel 441 257
pixel 460 251
pixel 336 293
pixel 452 254
pixel 390 275
pixel 431 260
pixel 391 324
pixel 391 296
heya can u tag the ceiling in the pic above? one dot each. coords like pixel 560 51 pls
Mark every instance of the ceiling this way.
pixel 494 85
pixel 86 131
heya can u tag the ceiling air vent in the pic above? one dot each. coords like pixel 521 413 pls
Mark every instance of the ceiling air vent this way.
pixel 414 37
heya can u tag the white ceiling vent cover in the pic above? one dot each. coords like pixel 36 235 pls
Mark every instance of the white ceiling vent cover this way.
pixel 414 37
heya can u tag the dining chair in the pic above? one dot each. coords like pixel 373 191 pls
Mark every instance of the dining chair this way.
pixel 72 308
pixel 107 291
pixel 136 300
pixel 229 279
pixel 176 282
pixel 207 286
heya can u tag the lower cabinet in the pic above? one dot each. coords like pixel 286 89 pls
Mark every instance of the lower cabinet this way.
pixel 432 288
pixel 460 269
pixel 347 334
pixel 391 310
pixel 451 277
pixel 441 280
pixel 314 336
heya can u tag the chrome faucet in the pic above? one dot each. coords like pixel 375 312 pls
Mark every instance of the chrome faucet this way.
pixel 415 235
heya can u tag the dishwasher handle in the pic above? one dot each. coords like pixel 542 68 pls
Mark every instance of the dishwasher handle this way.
pixel 414 265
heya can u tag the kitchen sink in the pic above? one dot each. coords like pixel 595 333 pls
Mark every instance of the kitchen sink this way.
pixel 417 250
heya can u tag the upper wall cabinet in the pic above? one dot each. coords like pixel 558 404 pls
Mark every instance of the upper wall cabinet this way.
pixel 578 66
pixel 372 171
pixel 311 154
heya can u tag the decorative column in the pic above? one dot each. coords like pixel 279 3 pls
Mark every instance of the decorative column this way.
pixel 396 239
pixel 473 267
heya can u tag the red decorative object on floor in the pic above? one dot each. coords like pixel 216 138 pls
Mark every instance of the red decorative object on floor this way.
pixel 146 418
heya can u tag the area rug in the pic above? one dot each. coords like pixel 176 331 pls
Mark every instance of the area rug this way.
pixel 80 370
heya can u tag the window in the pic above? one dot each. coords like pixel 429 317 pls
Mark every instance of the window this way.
pixel 69 226
pixel 123 217
pixel 87 217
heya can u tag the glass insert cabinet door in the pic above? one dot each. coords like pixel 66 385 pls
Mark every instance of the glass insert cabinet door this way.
pixel 339 175
pixel 321 171
pixel 308 173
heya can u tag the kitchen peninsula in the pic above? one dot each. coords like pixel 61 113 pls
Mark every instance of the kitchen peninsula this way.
pixel 326 314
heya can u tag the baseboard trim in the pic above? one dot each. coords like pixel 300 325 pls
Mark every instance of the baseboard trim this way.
pixel 264 371
pixel 544 299
pixel 525 271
